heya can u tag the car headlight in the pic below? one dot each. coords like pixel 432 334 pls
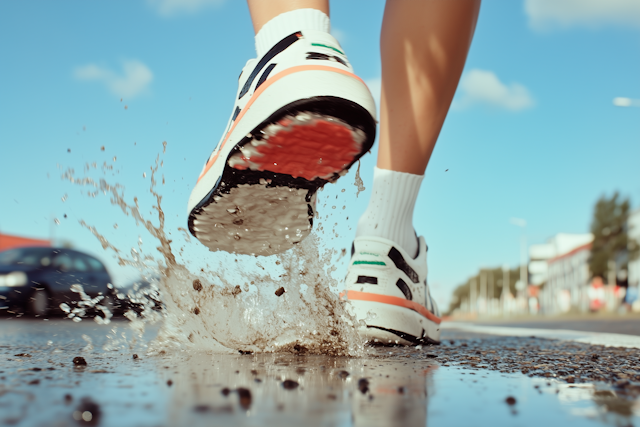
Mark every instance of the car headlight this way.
pixel 15 279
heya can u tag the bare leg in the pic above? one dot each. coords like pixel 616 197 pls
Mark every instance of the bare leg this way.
pixel 262 11
pixel 424 46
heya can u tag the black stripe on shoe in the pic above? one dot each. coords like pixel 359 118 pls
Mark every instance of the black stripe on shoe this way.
pixel 402 265
pixel 411 338
pixel 235 114
pixel 264 75
pixel 368 280
pixel 405 289
pixel 275 50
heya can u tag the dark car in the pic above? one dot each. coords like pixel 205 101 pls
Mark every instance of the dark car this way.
pixel 37 281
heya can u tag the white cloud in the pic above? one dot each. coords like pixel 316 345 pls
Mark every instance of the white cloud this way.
pixel 481 87
pixel 175 7
pixel 134 80
pixel 593 13
pixel 340 35
pixel 375 86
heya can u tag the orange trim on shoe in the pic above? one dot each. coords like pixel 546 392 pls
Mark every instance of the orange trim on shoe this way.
pixel 386 299
pixel 261 89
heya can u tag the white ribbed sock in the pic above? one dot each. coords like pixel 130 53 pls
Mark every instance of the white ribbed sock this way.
pixel 390 211
pixel 288 23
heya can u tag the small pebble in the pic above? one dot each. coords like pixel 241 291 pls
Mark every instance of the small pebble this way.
pixel 79 361
pixel 244 396
pixel 363 385
pixel 290 384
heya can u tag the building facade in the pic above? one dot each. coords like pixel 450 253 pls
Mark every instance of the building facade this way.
pixel 541 254
pixel 568 282
pixel 8 241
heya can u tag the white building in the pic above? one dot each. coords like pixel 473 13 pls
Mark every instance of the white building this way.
pixel 568 282
pixel 539 255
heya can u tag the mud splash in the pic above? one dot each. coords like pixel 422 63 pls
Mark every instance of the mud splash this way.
pixel 234 308
pixel 358 182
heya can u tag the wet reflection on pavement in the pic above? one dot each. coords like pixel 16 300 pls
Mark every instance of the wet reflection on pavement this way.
pixel 40 385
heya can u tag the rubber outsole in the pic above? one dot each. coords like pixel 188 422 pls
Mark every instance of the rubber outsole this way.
pixel 258 211
pixel 391 325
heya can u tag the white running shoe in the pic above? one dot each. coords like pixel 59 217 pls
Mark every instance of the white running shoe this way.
pixel 300 120
pixel 388 290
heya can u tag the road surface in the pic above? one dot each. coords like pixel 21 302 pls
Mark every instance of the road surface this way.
pixel 471 379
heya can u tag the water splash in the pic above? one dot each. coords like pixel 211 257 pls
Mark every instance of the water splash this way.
pixel 234 308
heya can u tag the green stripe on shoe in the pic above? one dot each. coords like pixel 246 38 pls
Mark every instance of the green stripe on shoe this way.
pixel 329 47
pixel 369 263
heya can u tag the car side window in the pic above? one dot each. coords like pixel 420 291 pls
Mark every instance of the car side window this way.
pixel 94 264
pixel 79 264
pixel 63 262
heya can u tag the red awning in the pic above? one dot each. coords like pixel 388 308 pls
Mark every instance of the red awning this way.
pixel 8 241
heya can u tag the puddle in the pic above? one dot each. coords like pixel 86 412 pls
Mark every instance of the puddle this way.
pixel 388 386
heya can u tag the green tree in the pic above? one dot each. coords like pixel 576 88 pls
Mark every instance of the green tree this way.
pixel 610 237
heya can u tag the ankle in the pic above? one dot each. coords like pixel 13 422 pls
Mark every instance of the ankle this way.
pixel 390 211
pixel 288 23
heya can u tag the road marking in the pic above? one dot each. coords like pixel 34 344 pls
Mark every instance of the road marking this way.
pixel 594 338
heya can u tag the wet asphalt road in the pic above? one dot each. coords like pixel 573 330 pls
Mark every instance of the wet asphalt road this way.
pixel 470 379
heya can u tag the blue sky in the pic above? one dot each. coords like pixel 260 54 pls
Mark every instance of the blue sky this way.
pixel 532 133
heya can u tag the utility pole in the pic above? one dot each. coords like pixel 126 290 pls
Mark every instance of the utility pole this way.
pixel 491 290
pixel 506 291
pixel 473 296
pixel 521 290
pixel 483 290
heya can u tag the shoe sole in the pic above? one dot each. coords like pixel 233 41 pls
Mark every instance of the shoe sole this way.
pixel 264 201
pixel 388 324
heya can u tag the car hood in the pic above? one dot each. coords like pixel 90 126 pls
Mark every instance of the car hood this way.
pixel 5 269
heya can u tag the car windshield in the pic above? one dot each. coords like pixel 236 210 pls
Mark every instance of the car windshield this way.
pixel 31 257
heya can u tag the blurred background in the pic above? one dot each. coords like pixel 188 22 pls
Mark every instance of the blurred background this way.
pixel 530 205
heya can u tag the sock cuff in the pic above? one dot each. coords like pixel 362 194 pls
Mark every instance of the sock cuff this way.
pixel 390 211
pixel 405 182
pixel 288 23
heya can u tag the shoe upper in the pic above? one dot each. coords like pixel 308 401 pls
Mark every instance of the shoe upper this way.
pixel 379 266
pixel 302 48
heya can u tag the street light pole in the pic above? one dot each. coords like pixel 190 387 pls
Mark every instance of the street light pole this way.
pixel 506 289
pixel 523 256
pixel 483 292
